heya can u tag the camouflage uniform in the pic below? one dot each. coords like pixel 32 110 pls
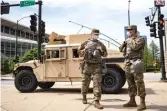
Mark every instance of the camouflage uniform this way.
pixel 134 67
pixel 92 68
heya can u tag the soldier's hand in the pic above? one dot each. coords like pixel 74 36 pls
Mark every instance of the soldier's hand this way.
pixel 86 47
pixel 99 48
pixel 125 42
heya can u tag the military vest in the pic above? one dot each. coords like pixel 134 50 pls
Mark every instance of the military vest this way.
pixel 92 54
pixel 133 54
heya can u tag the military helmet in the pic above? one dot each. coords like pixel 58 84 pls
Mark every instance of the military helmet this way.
pixel 132 27
pixel 96 31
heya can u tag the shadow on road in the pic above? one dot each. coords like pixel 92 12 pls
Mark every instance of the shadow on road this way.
pixel 78 91
pixel 60 90
pixel 70 90
pixel 153 107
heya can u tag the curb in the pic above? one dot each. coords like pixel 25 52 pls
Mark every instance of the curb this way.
pixel 7 79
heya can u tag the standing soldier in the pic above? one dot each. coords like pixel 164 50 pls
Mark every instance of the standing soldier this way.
pixel 134 67
pixel 92 50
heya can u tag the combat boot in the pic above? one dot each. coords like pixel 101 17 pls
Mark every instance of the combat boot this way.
pixel 84 100
pixel 131 103
pixel 98 105
pixel 142 105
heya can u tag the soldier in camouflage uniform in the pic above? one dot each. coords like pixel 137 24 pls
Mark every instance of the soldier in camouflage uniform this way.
pixel 132 49
pixel 92 50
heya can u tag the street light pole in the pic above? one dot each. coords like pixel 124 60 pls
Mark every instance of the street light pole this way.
pixel 17 38
pixel 129 12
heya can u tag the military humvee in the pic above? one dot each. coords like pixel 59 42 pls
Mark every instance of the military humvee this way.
pixel 61 64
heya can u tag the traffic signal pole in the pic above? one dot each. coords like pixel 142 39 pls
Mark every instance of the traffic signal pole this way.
pixel 39 30
pixel 161 49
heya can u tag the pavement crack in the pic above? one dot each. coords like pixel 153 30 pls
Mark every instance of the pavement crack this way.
pixel 46 106
pixel 4 108
pixel 88 105
pixel 11 102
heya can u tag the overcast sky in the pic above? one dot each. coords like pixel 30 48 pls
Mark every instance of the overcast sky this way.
pixel 110 16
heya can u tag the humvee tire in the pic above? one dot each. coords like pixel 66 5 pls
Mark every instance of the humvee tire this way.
pixel 45 85
pixel 112 82
pixel 25 81
pixel 123 78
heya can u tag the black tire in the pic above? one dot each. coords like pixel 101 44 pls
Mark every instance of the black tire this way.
pixel 111 82
pixel 25 81
pixel 45 85
pixel 123 78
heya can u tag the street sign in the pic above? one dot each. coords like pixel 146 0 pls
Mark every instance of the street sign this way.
pixel 27 3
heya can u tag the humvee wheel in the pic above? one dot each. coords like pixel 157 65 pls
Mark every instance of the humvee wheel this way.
pixel 25 81
pixel 111 82
pixel 45 85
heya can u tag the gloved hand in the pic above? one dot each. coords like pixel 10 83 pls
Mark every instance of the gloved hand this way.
pixel 125 43
pixel 99 48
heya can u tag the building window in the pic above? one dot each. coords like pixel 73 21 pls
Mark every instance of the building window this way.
pixel 22 34
pixel 12 53
pixel 35 37
pixel 2 50
pixel 2 28
pixel 12 46
pixel 18 34
pixel 2 44
pixel 6 29
pixel 7 46
pixel 12 31
pixel 31 37
pixel 29 46
pixel 27 35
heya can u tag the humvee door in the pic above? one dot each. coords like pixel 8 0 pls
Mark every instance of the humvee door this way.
pixel 55 63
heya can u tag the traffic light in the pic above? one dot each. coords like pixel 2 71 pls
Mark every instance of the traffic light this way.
pixel 5 10
pixel 161 22
pixel 33 22
pixel 153 30
pixel 42 28
pixel 147 20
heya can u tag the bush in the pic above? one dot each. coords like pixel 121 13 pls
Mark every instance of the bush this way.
pixel 32 54
pixel 7 66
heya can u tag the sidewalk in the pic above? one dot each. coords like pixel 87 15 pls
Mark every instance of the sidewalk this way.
pixel 69 99
pixel 7 77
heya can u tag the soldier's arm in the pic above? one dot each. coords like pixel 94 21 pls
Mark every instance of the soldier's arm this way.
pixel 103 50
pixel 137 44
pixel 122 46
pixel 81 49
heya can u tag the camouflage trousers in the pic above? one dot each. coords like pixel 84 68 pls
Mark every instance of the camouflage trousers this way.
pixel 135 82
pixel 92 71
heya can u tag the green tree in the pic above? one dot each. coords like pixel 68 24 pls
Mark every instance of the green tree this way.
pixel 5 66
pixel 151 55
pixel 154 50
pixel 30 55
